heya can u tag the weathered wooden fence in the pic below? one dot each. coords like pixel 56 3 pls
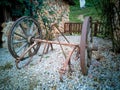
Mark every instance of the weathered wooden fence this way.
pixel 70 27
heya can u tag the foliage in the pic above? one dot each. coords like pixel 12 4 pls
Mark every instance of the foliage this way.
pixel 32 7
pixel 75 12
pixel 26 7
pixel 5 3
pixel 107 11
pixel 110 16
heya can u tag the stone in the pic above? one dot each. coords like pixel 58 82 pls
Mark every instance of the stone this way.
pixel 6 28
pixel 97 55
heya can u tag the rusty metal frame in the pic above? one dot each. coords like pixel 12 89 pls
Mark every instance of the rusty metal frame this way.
pixel 45 50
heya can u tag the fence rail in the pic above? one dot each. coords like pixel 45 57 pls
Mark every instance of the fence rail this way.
pixel 71 27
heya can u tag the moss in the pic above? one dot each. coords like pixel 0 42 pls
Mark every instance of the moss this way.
pixel 33 84
pixel 47 57
pixel 7 66
pixel 100 35
pixel 31 64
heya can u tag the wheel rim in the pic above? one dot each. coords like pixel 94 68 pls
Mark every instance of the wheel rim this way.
pixel 85 44
pixel 88 48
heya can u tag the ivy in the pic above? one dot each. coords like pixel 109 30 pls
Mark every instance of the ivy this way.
pixel 31 7
pixel 110 16
pixel 26 7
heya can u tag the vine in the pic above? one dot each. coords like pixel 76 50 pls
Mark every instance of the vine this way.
pixel 110 16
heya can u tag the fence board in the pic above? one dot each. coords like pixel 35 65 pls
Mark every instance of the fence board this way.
pixel 72 27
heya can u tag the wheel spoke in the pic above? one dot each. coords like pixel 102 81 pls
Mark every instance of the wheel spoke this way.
pixel 28 27
pixel 20 41
pixel 34 32
pixel 24 45
pixel 34 48
pixel 19 35
pixel 23 29
pixel 31 28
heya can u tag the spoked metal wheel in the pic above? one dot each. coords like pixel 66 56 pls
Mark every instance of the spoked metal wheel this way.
pixel 86 46
pixel 21 37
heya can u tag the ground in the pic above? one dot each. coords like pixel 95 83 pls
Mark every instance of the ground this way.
pixel 103 74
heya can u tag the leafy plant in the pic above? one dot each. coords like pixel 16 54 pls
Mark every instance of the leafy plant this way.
pixel 110 16
pixel 32 6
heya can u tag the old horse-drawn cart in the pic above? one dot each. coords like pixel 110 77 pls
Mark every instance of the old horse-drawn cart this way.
pixel 25 38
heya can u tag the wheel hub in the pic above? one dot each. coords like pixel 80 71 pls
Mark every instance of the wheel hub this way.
pixel 30 39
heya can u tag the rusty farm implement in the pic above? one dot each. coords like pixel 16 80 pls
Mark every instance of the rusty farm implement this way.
pixel 25 38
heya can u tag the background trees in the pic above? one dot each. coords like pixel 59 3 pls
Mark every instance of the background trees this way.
pixel 110 16
pixel 22 7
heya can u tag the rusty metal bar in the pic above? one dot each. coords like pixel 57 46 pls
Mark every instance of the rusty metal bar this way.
pixel 55 25
pixel 61 48
pixel 37 41
pixel 18 59
pixel 43 52
pixel 69 56
pixel 66 63
pixel 54 42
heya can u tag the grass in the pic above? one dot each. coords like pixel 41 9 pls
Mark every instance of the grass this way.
pixel 7 66
pixel 33 84
pixel 76 11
